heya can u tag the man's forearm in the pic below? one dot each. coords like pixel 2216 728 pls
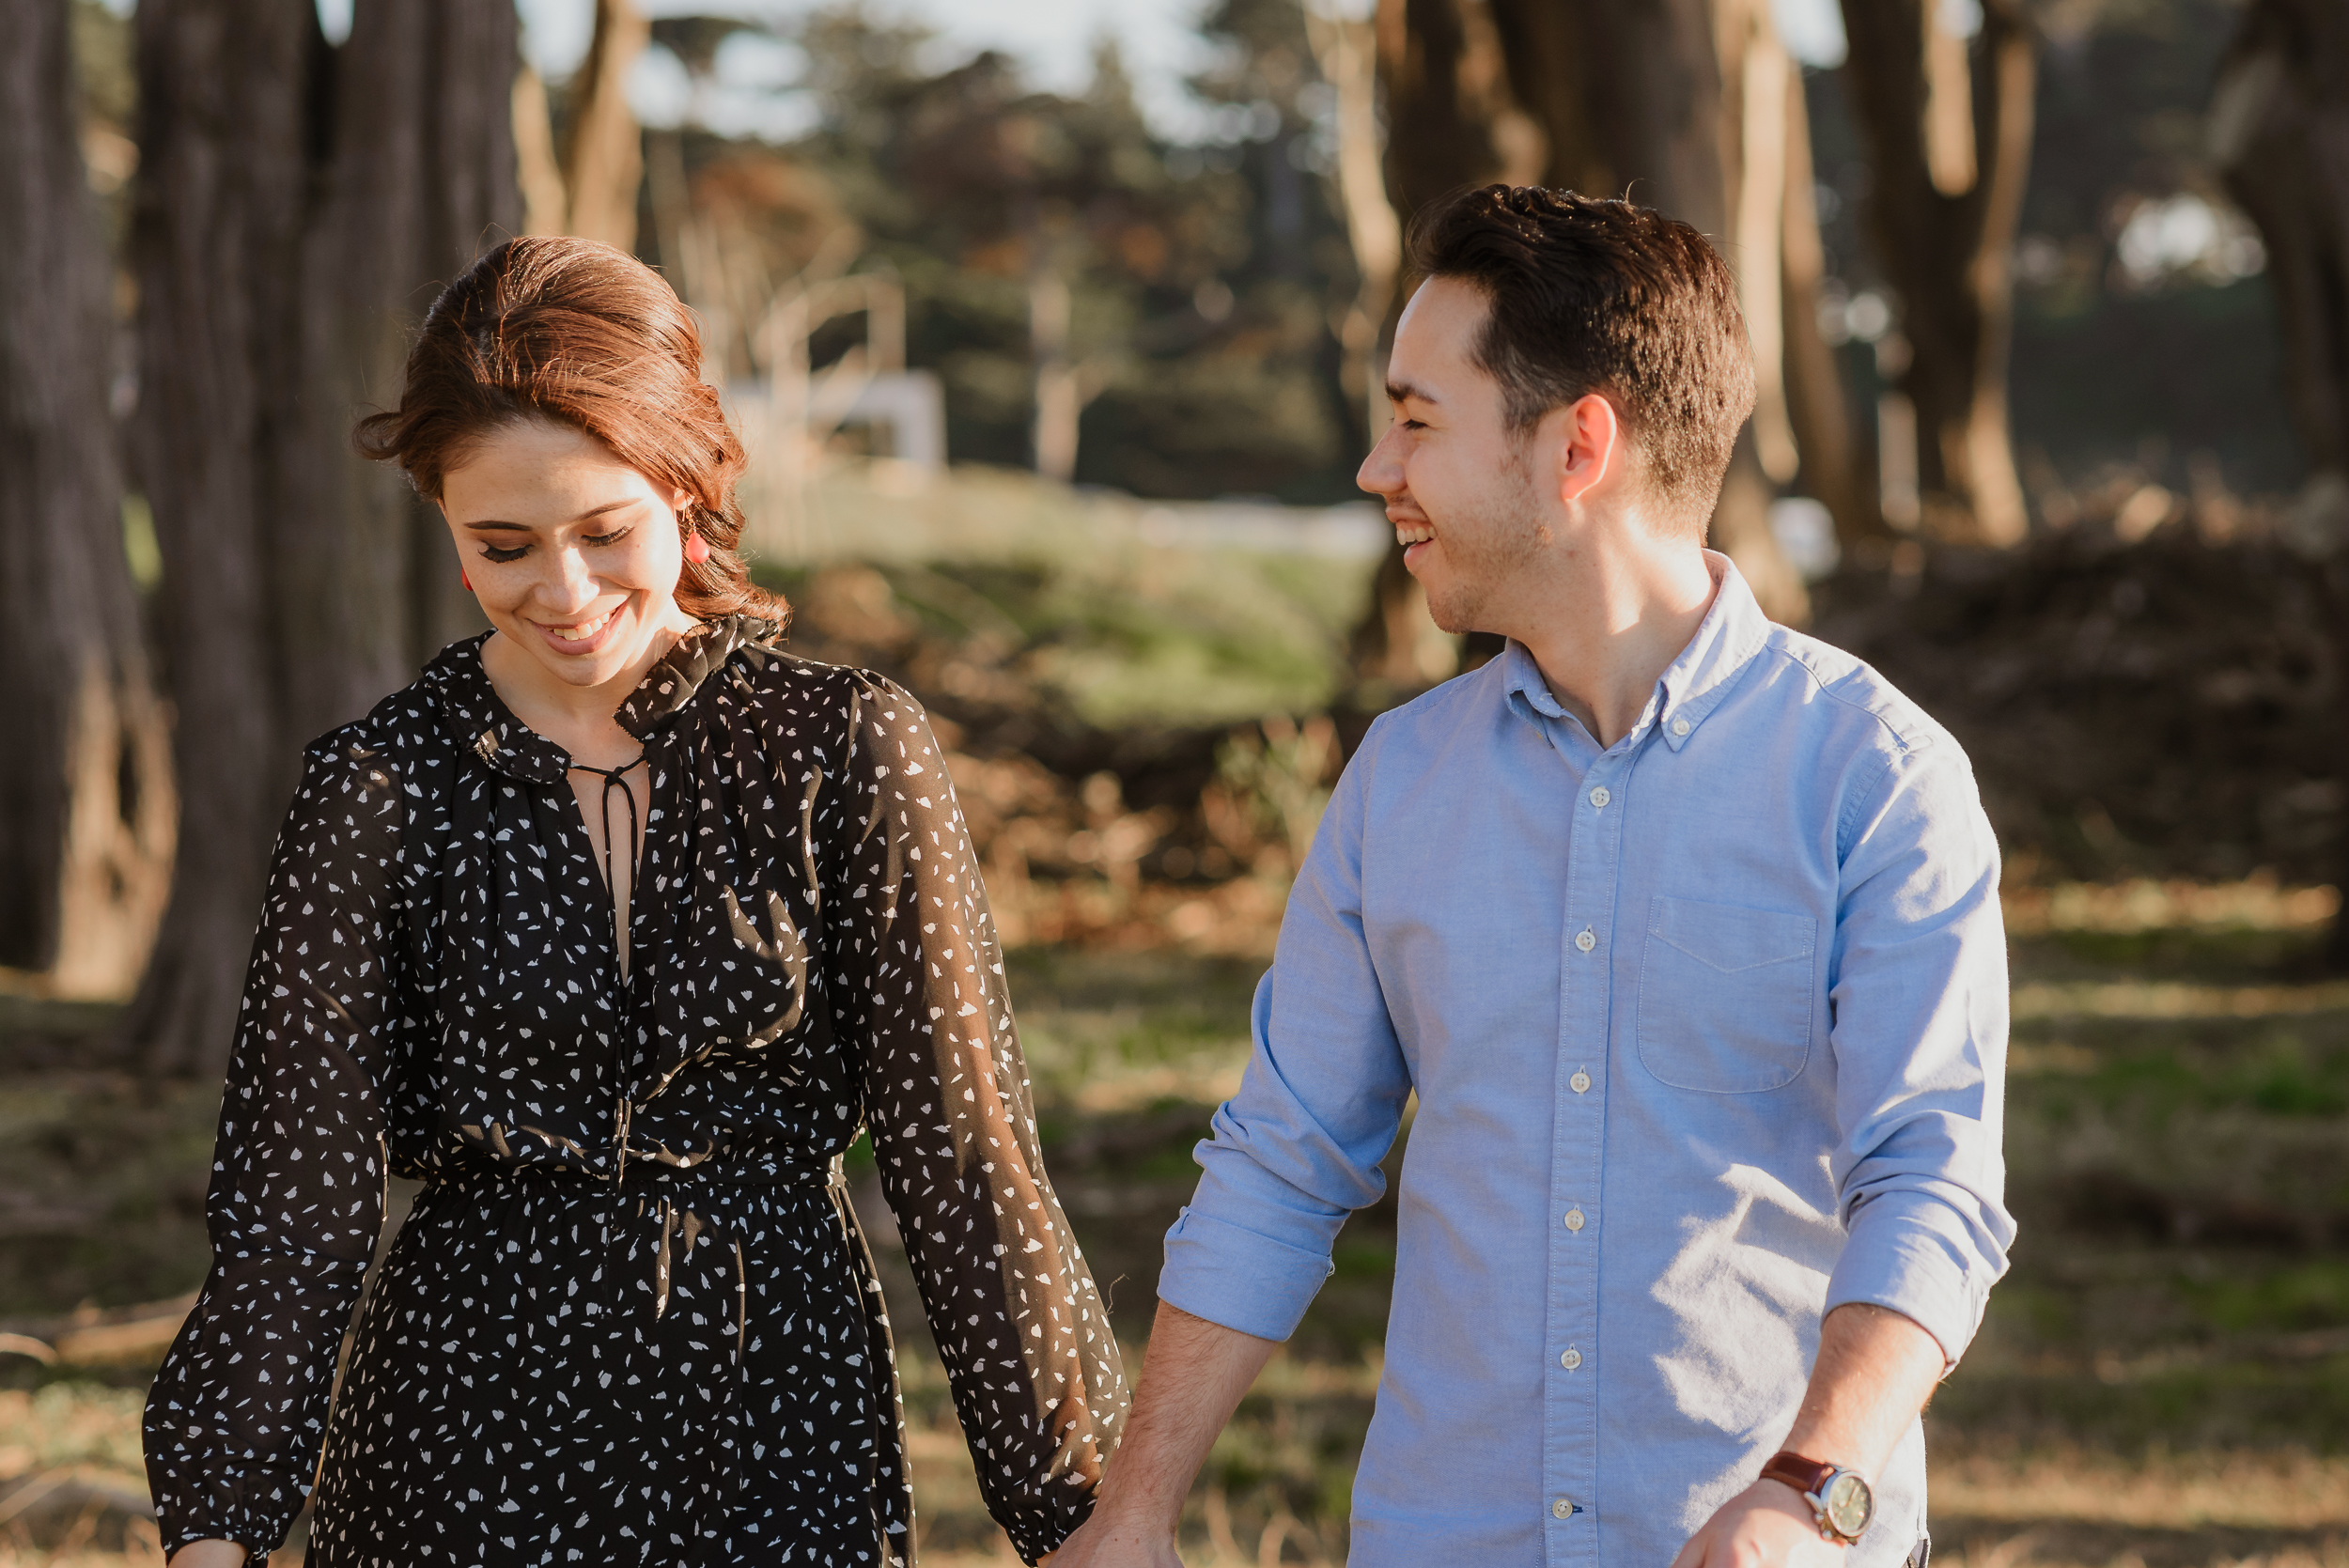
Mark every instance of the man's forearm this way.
pixel 1876 1371
pixel 1193 1376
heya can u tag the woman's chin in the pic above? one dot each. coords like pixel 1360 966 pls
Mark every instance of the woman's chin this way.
pixel 586 661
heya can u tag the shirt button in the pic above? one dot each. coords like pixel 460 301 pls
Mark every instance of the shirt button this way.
pixel 1579 1083
pixel 1562 1507
pixel 1680 726
pixel 1585 940
pixel 1574 1220
pixel 1570 1359
pixel 1599 797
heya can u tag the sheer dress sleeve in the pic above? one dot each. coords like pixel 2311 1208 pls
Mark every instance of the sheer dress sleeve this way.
pixel 237 1413
pixel 1035 1374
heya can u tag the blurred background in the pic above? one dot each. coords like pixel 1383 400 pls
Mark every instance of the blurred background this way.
pixel 1054 328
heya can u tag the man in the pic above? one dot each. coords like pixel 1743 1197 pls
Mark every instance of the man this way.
pixel 1684 928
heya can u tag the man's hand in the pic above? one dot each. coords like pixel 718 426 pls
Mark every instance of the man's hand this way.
pixel 1876 1371
pixel 1766 1526
pixel 1192 1377
pixel 1103 1542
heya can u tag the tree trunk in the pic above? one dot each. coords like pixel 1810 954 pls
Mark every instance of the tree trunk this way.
pixel 1816 405
pixel 603 162
pixel 2279 133
pixel 86 789
pixel 297 207
pixel 1944 223
pixel 1647 99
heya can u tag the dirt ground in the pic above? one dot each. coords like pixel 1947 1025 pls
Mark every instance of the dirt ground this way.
pixel 2162 1382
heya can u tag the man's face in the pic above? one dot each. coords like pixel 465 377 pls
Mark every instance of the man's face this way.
pixel 1458 481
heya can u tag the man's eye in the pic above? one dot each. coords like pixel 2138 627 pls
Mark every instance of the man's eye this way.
pixel 492 553
pixel 1414 424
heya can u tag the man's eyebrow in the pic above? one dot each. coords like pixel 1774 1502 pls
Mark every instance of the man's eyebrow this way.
pixel 1398 390
pixel 524 528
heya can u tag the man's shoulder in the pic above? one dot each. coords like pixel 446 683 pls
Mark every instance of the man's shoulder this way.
pixel 1852 694
pixel 1435 715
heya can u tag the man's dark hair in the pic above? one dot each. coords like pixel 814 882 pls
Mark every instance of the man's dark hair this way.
pixel 1592 295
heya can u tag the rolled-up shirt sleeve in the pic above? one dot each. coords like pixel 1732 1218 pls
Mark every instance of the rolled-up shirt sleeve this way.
pixel 1919 993
pixel 1299 1148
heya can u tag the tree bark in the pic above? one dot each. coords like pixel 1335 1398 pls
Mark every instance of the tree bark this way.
pixel 2279 133
pixel 86 788
pixel 1646 98
pixel 1816 405
pixel 1945 227
pixel 603 160
pixel 297 207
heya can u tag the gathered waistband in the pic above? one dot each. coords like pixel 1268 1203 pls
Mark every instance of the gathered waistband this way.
pixel 640 1173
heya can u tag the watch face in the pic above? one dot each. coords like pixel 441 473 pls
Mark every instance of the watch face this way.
pixel 1848 1505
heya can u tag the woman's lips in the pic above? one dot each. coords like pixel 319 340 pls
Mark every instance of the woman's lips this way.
pixel 591 635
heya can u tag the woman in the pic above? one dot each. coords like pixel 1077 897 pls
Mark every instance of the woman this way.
pixel 614 929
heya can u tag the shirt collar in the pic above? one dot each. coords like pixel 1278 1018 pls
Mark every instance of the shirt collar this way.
pixel 478 719
pixel 1695 682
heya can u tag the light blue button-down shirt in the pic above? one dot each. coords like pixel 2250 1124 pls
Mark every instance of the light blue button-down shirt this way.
pixel 1708 1031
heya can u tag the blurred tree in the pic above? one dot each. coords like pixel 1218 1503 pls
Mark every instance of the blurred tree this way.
pixel 1069 274
pixel 1948 127
pixel 299 204
pixel 2279 122
pixel 1684 105
pixel 604 157
pixel 85 786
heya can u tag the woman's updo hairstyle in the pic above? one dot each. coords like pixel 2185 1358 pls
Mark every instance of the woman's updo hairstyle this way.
pixel 578 334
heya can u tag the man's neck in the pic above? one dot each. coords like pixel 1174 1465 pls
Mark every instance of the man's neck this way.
pixel 1614 623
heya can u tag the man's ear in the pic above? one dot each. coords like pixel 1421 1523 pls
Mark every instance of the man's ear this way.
pixel 1587 444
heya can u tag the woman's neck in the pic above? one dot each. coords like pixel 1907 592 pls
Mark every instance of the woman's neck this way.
pixel 580 719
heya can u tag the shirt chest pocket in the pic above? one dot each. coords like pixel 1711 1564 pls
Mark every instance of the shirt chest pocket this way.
pixel 1725 996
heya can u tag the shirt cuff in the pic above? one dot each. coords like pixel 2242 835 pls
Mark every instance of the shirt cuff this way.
pixel 1236 1277
pixel 1899 1255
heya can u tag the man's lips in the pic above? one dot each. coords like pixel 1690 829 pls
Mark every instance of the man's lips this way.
pixel 1414 535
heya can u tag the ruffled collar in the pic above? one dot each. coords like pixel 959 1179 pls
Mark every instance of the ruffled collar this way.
pixel 478 719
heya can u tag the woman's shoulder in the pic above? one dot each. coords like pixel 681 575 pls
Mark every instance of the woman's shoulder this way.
pixel 797 684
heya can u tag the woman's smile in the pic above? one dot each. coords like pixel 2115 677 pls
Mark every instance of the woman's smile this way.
pixel 581 636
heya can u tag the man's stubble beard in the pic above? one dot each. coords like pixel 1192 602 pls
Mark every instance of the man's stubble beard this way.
pixel 1500 544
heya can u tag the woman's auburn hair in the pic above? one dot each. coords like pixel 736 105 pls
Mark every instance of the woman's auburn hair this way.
pixel 578 334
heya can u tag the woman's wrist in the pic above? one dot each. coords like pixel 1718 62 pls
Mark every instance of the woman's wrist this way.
pixel 208 1554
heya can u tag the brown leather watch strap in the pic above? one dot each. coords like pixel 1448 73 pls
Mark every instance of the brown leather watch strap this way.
pixel 1806 1476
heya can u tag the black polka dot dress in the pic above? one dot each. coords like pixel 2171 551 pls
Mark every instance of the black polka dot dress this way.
pixel 631 1319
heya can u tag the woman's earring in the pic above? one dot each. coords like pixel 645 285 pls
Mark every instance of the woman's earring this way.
pixel 466 578
pixel 696 548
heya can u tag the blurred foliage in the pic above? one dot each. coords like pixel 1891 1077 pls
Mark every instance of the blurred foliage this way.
pixel 2100 379
pixel 2165 1373
pixel 1200 279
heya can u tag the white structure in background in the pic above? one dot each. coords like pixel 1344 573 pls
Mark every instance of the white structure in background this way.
pixel 1805 531
pixel 790 415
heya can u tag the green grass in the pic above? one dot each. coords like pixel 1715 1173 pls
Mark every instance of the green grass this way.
pixel 2152 1331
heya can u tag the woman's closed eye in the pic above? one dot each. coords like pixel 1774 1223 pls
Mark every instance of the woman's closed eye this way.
pixel 494 552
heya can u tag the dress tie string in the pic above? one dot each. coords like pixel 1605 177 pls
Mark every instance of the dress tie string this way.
pixel 611 777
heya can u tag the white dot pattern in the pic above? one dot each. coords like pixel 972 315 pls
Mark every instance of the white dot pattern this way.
pixel 631 1319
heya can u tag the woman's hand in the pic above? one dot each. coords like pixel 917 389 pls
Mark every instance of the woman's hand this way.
pixel 208 1554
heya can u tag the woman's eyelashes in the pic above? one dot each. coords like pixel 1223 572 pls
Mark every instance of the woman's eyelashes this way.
pixel 494 552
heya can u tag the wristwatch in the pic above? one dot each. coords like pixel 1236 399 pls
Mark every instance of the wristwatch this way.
pixel 1842 1500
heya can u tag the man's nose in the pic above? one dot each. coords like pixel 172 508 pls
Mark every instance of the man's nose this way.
pixel 1381 472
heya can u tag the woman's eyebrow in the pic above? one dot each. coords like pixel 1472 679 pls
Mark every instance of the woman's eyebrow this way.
pixel 590 512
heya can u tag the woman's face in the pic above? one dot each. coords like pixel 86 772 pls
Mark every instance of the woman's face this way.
pixel 573 555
